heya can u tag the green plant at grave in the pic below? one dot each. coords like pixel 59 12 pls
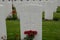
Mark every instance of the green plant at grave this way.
pixel 14 13
pixel 30 35
pixel 43 14
pixel 58 9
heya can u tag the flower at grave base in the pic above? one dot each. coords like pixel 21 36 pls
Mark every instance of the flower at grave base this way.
pixel 30 34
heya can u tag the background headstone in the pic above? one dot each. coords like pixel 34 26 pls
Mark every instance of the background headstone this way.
pixel 50 7
pixel 58 2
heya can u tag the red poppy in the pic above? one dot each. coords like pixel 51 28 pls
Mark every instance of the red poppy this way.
pixel 25 32
pixel 30 32
pixel 35 32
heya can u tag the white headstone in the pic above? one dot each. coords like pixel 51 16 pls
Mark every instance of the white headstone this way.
pixel 50 7
pixel 5 9
pixel 3 32
pixel 58 2
pixel 30 18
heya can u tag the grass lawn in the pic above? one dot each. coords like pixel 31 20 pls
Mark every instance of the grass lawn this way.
pixel 13 29
pixel 50 29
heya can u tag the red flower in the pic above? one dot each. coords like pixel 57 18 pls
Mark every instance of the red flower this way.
pixel 35 32
pixel 25 32
pixel 30 32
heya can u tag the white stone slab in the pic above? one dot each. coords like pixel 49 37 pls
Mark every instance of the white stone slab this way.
pixel 58 2
pixel 30 18
pixel 3 31
pixel 5 9
pixel 50 7
pixel 49 15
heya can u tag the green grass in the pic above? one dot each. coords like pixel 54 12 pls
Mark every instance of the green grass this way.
pixel 50 29
pixel 56 15
pixel 58 9
pixel 13 28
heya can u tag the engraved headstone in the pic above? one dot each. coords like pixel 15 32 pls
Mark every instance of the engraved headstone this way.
pixel 30 18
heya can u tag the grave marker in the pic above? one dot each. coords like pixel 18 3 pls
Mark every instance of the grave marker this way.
pixel 2 21
pixel 4 11
pixel 50 7
pixel 58 2
pixel 30 18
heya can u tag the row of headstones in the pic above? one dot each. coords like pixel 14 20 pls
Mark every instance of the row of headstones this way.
pixel 25 0
pixel 30 16
pixel 48 6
